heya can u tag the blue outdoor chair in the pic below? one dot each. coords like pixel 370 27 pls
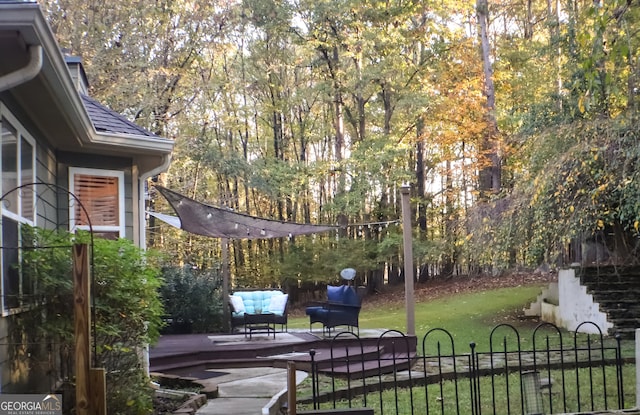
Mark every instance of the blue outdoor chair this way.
pixel 342 308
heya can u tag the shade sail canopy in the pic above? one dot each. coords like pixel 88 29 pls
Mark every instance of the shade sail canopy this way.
pixel 217 222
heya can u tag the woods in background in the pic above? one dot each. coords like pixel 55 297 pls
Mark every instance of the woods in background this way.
pixel 515 122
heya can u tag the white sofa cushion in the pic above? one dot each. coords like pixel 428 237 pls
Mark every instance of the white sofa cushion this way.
pixel 237 304
pixel 278 304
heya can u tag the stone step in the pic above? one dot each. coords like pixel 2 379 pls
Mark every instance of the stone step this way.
pixel 609 272
pixel 624 332
pixel 632 309
pixel 606 299
pixel 609 277
pixel 627 321
pixel 622 313
pixel 387 363
pixel 613 288
pixel 634 279
pixel 623 291
pixel 624 324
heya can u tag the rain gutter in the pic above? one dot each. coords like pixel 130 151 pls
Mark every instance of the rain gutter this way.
pixel 25 74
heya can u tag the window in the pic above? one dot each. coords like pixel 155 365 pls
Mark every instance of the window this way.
pixel 101 196
pixel 18 206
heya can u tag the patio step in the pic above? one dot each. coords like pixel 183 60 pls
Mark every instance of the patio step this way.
pixel 190 352
pixel 178 368
pixel 387 363
pixel 182 356
pixel 324 358
pixel 350 362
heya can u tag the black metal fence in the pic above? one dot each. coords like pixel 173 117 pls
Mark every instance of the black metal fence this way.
pixel 547 372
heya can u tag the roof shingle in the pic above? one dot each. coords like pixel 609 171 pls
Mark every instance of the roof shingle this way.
pixel 106 120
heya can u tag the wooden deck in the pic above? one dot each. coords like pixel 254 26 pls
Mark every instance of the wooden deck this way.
pixel 195 355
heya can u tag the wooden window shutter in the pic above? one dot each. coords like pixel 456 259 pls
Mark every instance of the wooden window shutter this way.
pixel 99 196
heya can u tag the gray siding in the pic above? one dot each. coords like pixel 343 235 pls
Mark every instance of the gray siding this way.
pixel 23 368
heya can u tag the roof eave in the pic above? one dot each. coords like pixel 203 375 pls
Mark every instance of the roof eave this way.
pixel 134 142
pixel 28 19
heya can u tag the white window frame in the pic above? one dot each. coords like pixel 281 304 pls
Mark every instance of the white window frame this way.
pixel 121 227
pixel 23 134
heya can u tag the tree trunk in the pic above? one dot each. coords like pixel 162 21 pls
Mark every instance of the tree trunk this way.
pixel 339 128
pixel 490 177
pixel 423 270
pixel 449 220
pixel 528 26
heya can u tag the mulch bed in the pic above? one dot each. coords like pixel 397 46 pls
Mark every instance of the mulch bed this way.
pixel 165 406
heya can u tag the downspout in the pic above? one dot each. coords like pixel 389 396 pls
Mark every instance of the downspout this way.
pixel 166 161
pixel 26 73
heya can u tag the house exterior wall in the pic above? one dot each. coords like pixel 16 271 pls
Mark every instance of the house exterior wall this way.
pixel 30 368
pixel 26 367
pixel 48 98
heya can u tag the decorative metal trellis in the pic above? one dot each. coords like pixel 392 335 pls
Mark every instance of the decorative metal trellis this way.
pixel 46 201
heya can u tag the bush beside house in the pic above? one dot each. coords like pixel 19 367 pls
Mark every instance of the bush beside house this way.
pixel 192 300
pixel 127 312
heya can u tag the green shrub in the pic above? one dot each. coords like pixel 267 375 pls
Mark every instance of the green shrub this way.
pixel 127 311
pixel 192 299
pixel 128 315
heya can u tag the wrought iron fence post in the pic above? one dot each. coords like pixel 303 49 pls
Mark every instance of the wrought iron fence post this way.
pixel 590 368
pixel 474 377
pixel 637 349
pixel 548 346
pixel 441 377
pixel 314 380
pixel 348 363
pixel 619 371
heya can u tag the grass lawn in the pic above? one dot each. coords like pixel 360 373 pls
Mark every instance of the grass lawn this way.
pixel 441 398
pixel 468 316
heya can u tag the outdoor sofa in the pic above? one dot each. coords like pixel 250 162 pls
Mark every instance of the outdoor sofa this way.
pixel 272 304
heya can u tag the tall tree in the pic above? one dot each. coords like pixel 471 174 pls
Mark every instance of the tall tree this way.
pixel 490 180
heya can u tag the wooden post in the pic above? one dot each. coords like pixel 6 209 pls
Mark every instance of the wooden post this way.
pixel 82 324
pixel 98 391
pixel 226 273
pixel 408 259
pixel 91 385
pixel 291 388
